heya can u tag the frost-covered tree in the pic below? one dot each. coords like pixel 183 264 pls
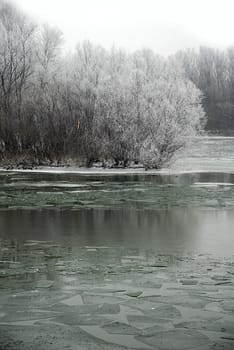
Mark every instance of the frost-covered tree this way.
pixel 16 68
pixel 91 105
pixel 48 117
pixel 171 114
pixel 115 120
pixel 86 73
pixel 211 70
pixel 174 117
pixel 147 109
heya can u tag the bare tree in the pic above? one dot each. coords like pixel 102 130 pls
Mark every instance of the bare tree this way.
pixel 16 68
pixel 91 105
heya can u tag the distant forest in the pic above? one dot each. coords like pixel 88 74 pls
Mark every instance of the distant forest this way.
pixel 212 71
pixel 104 105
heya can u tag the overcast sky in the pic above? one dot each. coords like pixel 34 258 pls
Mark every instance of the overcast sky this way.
pixel 163 25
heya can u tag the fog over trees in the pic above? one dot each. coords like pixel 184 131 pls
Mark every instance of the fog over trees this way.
pixel 212 71
pixel 98 105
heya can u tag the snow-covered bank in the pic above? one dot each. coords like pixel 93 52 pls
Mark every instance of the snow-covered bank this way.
pixel 206 155
pixel 119 171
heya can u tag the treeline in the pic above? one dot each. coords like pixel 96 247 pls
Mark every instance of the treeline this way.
pixel 212 71
pixel 90 105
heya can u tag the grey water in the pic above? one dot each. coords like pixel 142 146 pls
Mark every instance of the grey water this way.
pixel 179 212
pixel 78 248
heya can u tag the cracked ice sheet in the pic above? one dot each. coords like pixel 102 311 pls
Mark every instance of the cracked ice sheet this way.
pixel 124 340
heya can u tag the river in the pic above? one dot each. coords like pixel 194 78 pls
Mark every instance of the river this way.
pixel 65 232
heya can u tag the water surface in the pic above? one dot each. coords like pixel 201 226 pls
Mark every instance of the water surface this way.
pixel 108 259
pixel 173 212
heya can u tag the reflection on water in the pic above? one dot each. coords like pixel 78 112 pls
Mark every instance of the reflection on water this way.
pixel 166 214
pixel 92 251
pixel 174 231
pixel 121 258
pixel 169 214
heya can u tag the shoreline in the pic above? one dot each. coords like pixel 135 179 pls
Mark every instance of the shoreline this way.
pixel 201 158
pixel 113 171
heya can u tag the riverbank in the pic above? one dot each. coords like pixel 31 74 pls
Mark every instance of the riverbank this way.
pixel 206 154
pixel 115 171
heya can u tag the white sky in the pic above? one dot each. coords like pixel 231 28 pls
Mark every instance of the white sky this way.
pixel 163 25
